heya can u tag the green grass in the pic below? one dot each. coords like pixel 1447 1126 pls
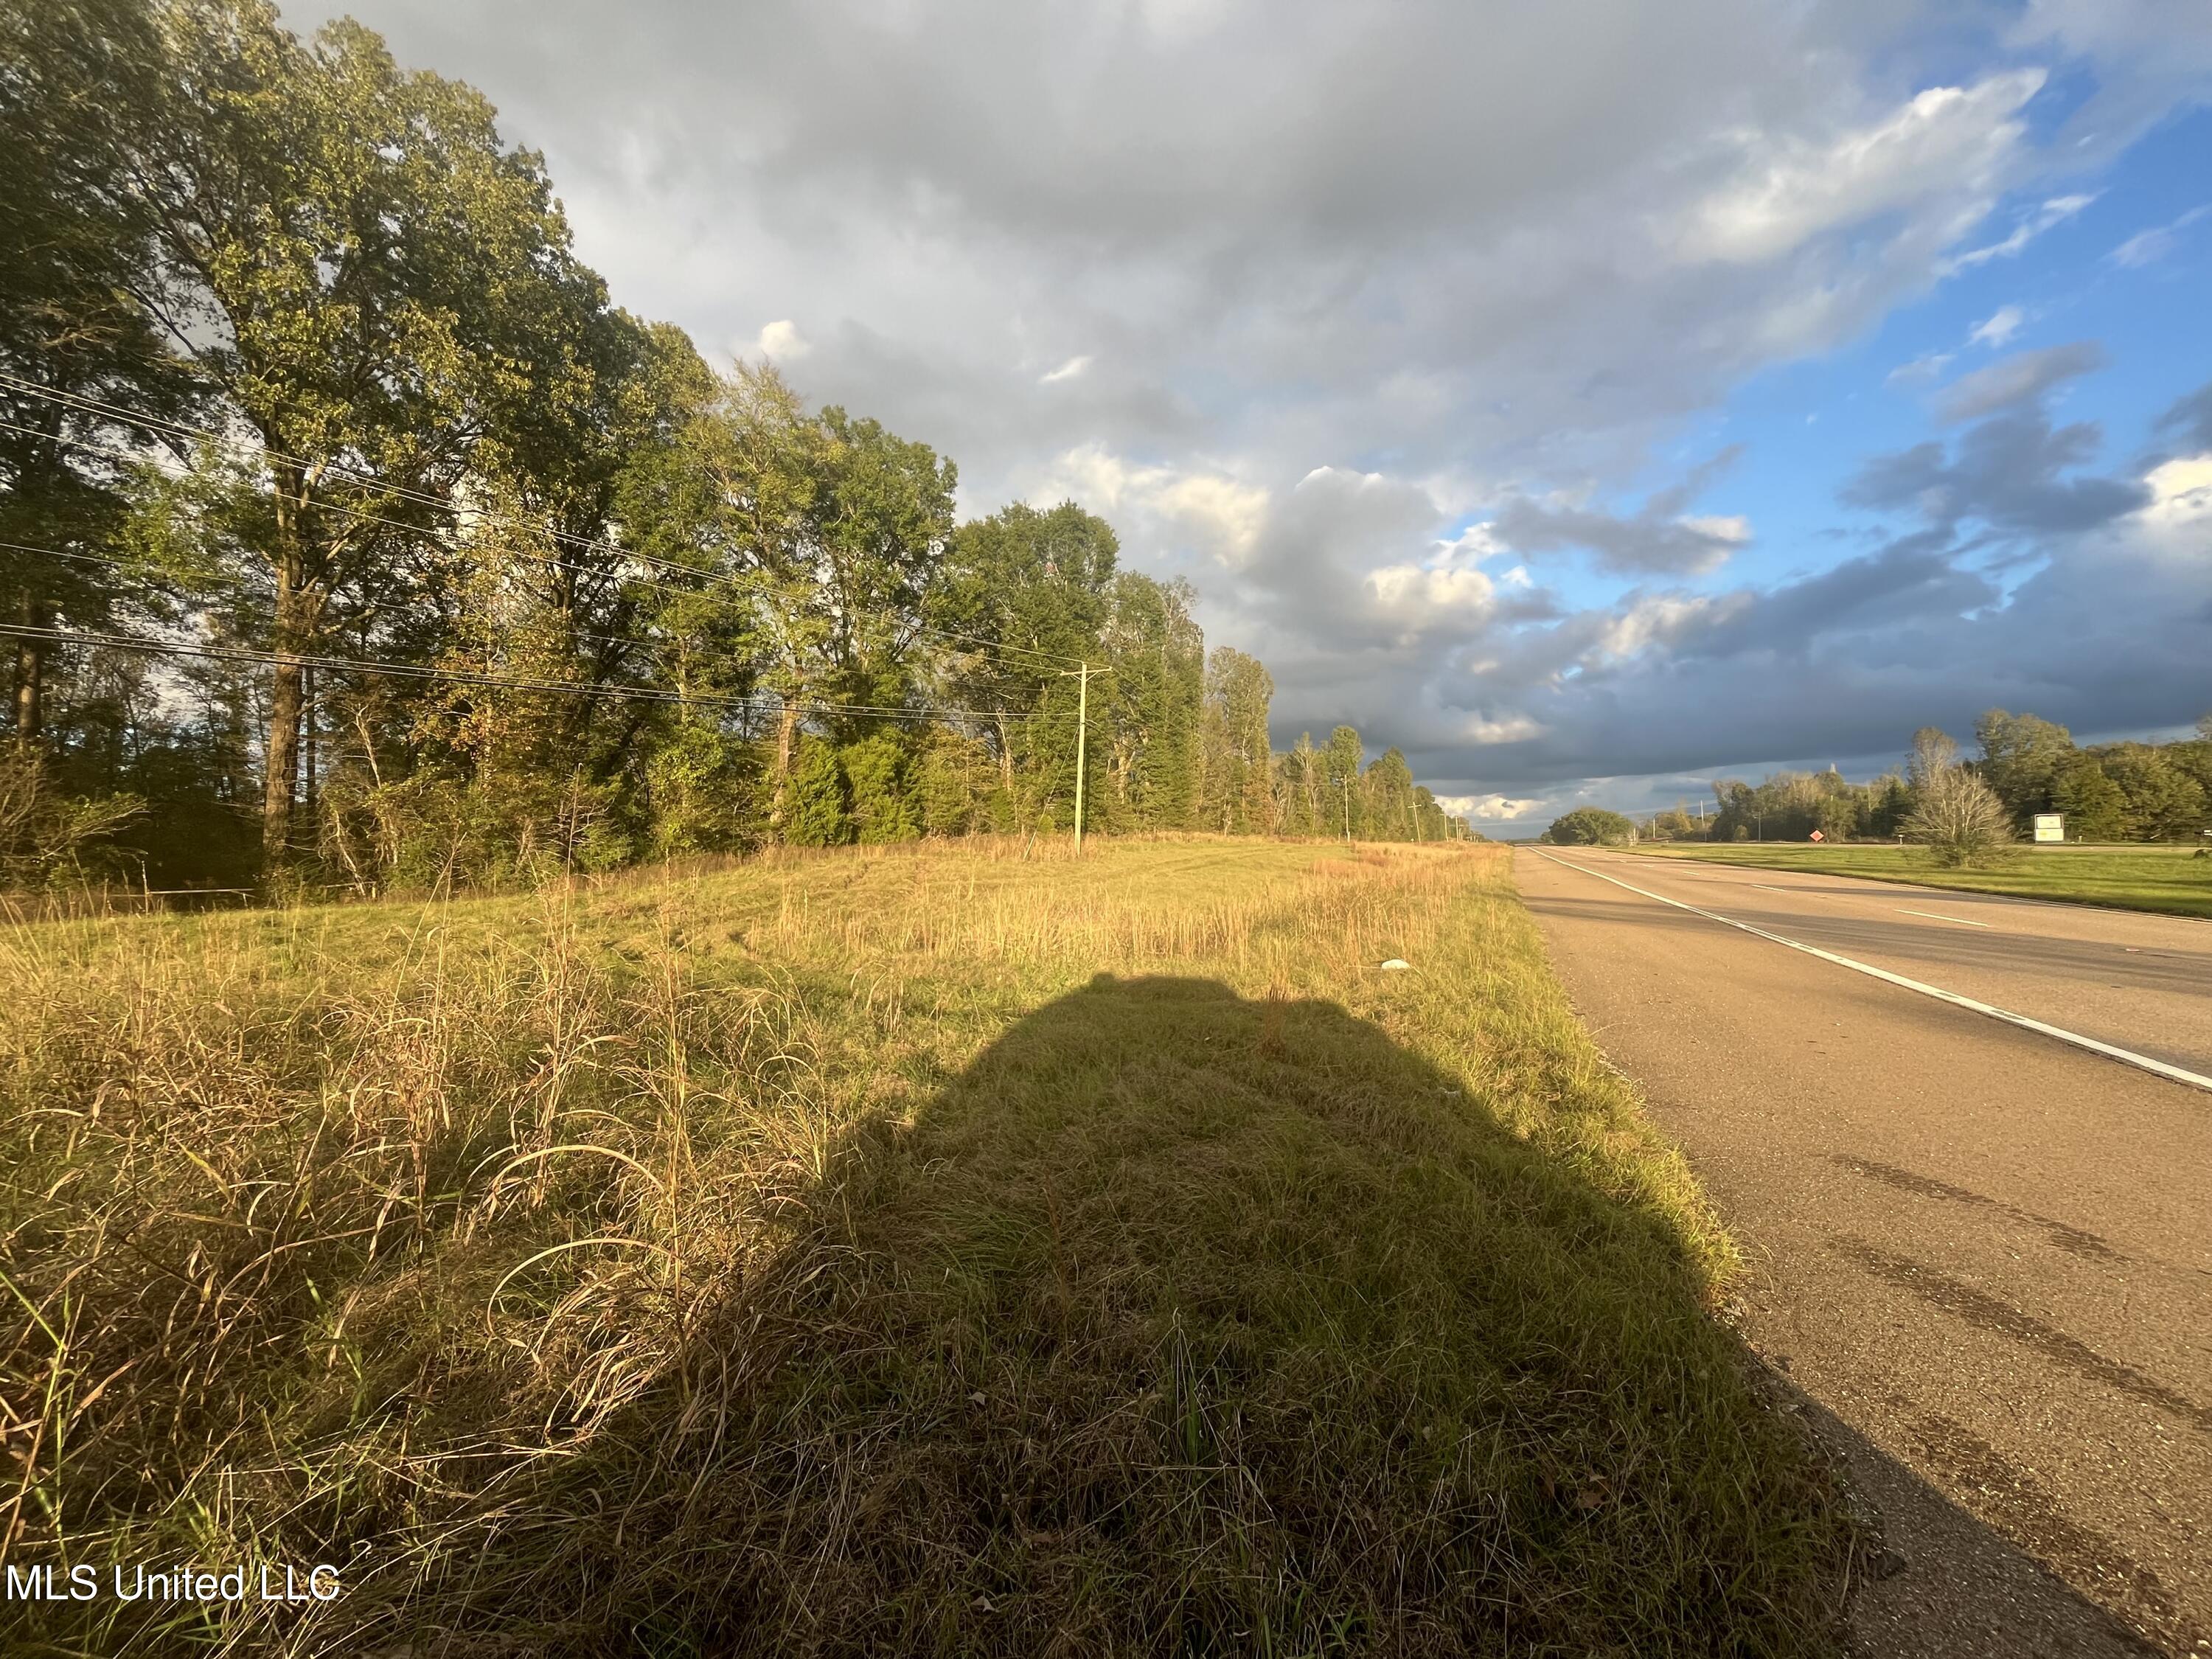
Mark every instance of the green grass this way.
pixel 2165 879
pixel 926 1251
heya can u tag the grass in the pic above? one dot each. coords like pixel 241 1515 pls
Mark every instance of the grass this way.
pixel 2164 878
pixel 924 1251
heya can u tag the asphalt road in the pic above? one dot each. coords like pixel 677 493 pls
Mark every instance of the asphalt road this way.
pixel 1983 1256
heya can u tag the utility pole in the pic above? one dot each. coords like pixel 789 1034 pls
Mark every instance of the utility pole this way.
pixel 1082 741
pixel 1082 678
pixel 1345 784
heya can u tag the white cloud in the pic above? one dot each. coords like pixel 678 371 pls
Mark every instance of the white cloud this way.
pixel 1490 809
pixel 1223 514
pixel 1787 194
pixel 1919 371
pixel 2147 247
pixel 2056 211
pixel 1731 527
pixel 780 342
pixel 1066 371
pixel 2181 494
pixel 1484 733
pixel 1998 328
pixel 1409 591
pixel 1472 545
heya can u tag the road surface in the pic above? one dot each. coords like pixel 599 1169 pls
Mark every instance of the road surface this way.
pixel 1984 1255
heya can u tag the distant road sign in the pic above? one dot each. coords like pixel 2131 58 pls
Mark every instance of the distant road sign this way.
pixel 2050 826
pixel 1817 835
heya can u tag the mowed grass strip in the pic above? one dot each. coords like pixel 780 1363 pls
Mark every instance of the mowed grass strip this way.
pixel 934 1251
pixel 2171 879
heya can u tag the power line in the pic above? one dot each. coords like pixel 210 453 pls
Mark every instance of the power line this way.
pixel 651 561
pixel 468 677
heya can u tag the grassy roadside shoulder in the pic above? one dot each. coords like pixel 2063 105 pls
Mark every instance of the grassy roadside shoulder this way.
pixel 930 1251
pixel 2166 879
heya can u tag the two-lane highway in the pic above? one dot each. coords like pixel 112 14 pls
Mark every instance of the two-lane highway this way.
pixel 1987 1251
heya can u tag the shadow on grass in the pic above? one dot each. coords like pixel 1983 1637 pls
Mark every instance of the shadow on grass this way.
pixel 1183 1324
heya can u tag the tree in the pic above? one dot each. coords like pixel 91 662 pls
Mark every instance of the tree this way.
pixel 1342 811
pixel 1238 783
pixel 1590 826
pixel 1388 788
pixel 2163 802
pixel 2022 758
pixel 832 531
pixel 2094 806
pixel 819 811
pixel 1932 756
pixel 1958 817
pixel 379 288
pixel 1151 702
pixel 878 771
pixel 79 83
pixel 1026 595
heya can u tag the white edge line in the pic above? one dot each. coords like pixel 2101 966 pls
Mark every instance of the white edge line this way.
pixel 1985 893
pixel 2125 1056
pixel 1932 917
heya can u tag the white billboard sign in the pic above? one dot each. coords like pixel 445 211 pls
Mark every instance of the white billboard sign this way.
pixel 2050 826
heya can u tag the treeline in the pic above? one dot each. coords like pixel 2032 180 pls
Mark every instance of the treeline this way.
pixel 354 537
pixel 2112 792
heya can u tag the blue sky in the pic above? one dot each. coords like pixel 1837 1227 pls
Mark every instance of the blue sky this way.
pixel 1589 399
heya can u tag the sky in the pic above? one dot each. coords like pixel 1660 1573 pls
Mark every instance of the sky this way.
pixel 1591 399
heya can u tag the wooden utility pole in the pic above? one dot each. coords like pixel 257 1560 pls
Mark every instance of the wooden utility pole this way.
pixel 1082 742
pixel 1082 678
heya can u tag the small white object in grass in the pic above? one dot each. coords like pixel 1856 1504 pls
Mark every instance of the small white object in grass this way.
pixel 1396 961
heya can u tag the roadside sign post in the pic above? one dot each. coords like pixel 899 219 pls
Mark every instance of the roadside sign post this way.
pixel 2050 826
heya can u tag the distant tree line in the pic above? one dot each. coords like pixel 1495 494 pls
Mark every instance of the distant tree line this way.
pixel 354 537
pixel 2113 791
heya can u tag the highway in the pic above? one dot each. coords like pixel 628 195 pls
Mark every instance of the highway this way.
pixel 1981 1255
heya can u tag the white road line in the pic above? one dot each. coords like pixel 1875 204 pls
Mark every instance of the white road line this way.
pixel 1932 917
pixel 2125 1056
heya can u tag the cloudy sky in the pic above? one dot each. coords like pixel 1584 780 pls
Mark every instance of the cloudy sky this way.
pixel 1591 398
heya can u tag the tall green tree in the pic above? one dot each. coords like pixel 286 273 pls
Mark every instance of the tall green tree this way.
pixel 79 94
pixel 1237 788
pixel 2163 802
pixel 2095 808
pixel 1154 699
pixel 2022 755
pixel 830 532
pixel 1344 810
pixel 1026 597
pixel 382 292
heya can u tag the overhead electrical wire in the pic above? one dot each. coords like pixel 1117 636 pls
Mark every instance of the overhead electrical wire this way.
pixel 115 412
pixel 766 703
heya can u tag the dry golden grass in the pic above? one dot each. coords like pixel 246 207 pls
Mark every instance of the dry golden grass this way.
pixel 961 1249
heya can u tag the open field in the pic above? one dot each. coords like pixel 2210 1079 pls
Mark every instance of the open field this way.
pixel 921 1250
pixel 2165 879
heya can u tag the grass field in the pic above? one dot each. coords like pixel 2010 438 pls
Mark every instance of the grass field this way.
pixel 2165 878
pixel 923 1251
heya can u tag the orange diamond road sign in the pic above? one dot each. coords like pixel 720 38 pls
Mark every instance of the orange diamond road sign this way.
pixel 1817 835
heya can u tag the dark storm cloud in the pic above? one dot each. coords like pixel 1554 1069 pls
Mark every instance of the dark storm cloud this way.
pixel 2007 472
pixel 1910 580
pixel 2114 641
